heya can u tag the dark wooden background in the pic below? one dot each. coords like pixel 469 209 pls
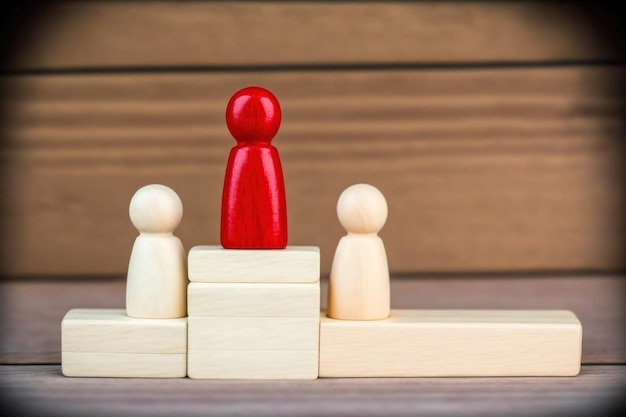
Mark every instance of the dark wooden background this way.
pixel 494 129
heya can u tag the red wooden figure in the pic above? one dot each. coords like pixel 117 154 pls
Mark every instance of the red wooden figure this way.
pixel 254 212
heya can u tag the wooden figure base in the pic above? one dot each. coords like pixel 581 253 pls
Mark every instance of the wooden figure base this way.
pixel 294 264
pixel 253 364
pixel 108 343
pixel 452 343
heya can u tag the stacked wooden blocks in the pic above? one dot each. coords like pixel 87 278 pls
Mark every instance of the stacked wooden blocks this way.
pixel 253 314
pixel 108 343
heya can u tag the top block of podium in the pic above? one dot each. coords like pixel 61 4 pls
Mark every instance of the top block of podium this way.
pixel 294 264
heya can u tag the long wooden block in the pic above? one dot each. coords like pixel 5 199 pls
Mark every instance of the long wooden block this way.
pixel 108 343
pixel 253 300
pixel 130 365
pixel 253 364
pixel 446 343
pixel 112 331
pixel 253 333
pixel 292 264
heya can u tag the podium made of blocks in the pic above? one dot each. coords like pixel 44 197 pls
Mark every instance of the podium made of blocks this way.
pixel 253 314
pixel 236 313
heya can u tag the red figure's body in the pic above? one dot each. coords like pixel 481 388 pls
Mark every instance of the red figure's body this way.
pixel 254 212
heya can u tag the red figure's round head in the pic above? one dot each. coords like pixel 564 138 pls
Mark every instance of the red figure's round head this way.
pixel 253 115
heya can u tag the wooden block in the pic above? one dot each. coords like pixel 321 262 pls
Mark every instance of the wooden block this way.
pixel 112 331
pixel 129 365
pixel 108 343
pixel 253 333
pixel 253 300
pixel 292 264
pixel 253 364
pixel 447 343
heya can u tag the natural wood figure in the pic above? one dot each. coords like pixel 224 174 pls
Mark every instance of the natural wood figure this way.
pixel 156 284
pixel 254 213
pixel 359 276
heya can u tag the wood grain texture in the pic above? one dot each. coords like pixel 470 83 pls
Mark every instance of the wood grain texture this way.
pixel 112 331
pixel 151 33
pixel 108 343
pixel 253 364
pixel 124 365
pixel 32 311
pixel 294 264
pixel 42 390
pixel 449 343
pixel 253 333
pixel 483 170
pixel 253 300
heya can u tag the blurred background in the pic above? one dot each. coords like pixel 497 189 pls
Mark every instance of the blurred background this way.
pixel 494 129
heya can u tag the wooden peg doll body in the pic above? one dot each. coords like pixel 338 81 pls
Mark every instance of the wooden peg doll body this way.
pixel 156 285
pixel 359 277
pixel 254 211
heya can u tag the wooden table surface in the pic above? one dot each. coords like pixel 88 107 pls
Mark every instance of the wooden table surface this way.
pixel 42 390
pixel 31 379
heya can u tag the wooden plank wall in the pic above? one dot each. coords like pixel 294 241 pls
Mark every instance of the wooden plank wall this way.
pixel 494 129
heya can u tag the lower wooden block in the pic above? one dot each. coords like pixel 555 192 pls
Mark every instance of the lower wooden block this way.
pixel 253 333
pixel 449 343
pixel 252 364
pixel 108 343
pixel 124 365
